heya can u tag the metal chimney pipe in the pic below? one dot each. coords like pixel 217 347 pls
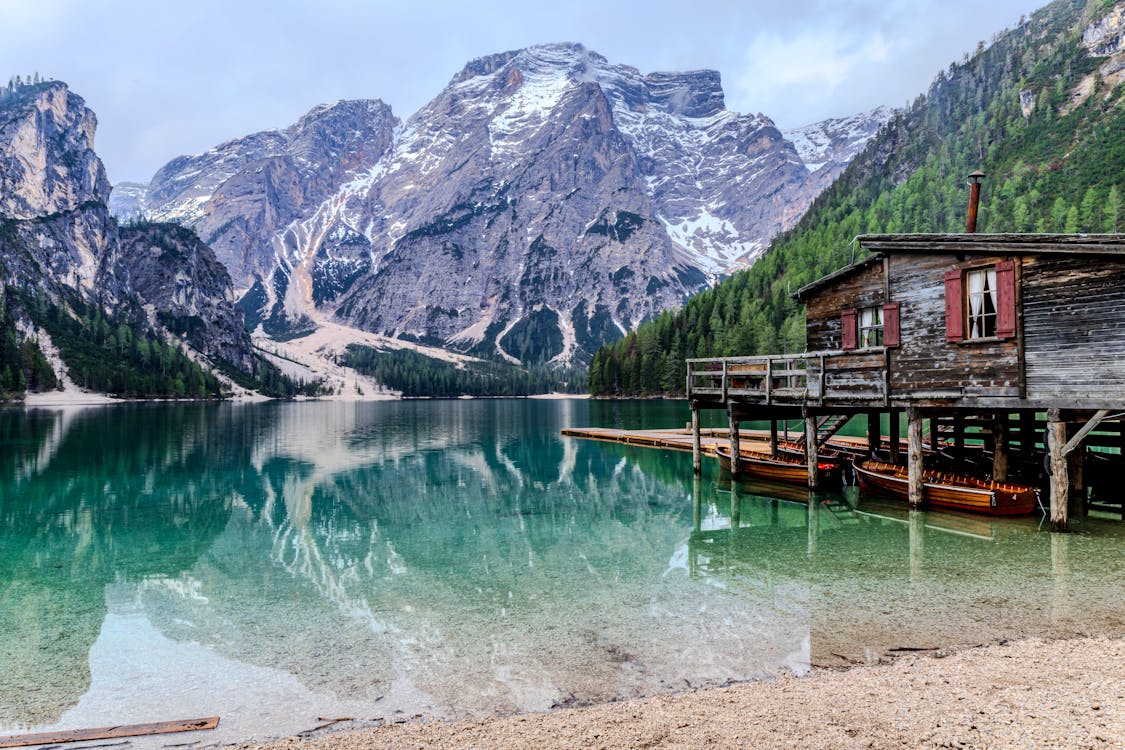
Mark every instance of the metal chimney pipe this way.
pixel 974 200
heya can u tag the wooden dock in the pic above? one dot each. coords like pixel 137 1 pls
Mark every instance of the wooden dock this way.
pixel 681 439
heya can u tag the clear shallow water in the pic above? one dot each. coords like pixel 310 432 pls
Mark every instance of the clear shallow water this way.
pixel 275 563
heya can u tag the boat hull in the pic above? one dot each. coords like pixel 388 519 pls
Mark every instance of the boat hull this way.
pixel 778 468
pixel 949 490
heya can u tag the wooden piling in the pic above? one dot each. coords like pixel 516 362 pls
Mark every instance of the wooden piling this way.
pixel 895 436
pixel 773 437
pixel 1060 483
pixel 812 451
pixel 735 448
pixel 914 456
pixel 696 451
pixel 874 433
pixel 1000 448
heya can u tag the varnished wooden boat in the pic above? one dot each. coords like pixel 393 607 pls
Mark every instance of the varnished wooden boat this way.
pixel 945 490
pixel 778 468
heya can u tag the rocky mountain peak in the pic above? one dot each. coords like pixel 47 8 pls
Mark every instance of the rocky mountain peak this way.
pixel 47 161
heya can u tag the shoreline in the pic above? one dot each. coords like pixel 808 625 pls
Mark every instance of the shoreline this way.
pixel 1067 692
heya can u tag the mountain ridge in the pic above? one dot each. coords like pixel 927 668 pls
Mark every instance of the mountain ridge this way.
pixel 678 191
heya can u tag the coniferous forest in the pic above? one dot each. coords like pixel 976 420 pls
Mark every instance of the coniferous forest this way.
pixel 414 374
pixel 1031 110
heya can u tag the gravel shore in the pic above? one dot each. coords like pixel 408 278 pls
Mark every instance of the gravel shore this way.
pixel 1027 694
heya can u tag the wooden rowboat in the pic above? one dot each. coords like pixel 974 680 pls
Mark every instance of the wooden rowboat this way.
pixel 945 490
pixel 777 468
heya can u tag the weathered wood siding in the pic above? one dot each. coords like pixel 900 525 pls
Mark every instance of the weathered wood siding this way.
pixel 1074 326
pixel 863 288
pixel 925 361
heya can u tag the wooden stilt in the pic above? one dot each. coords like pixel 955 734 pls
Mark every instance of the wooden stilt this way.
pixel 812 451
pixel 696 452
pixel 735 507
pixel 895 437
pixel 697 504
pixel 917 543
pixel 773 437
pixel 874 433
pixel 914 456
pixel 1000 447
pixel 814 523
pixel 1060 484
pixel 1075 461
pixel 735 447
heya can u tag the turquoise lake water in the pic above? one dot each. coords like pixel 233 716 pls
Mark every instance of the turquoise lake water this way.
pixel 275 563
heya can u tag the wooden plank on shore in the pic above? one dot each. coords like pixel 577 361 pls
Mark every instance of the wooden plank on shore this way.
pixel 108 733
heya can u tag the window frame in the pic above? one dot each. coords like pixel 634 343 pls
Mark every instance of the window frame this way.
pixel 988 295
pixel 873 328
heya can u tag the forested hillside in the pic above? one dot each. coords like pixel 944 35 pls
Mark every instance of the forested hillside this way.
pixel 1041 110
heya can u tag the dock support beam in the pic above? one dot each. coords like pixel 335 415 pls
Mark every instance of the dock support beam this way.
pixel 735 448
pixel 874 433
pixel 1000 448
pixel 914 465
pixel 1060 483
pixel 896 442
pixel 773 437
pixel 696 452
pixel 812 451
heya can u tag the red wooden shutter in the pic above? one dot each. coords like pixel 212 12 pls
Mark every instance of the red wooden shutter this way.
pixel 1006 299
pixel 890 324
pixel 847 330
pixel 954 307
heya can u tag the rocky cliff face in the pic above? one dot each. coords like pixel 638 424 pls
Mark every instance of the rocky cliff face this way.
pixel 56 234
pixel 172 270
pixel 545 202
pixel 242 196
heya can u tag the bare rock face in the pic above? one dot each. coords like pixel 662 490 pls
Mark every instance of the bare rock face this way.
pixel 242 196
pixel 169 268
pixel 56 234
pixel 544 203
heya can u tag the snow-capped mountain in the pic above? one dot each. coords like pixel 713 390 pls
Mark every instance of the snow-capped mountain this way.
pixel 545 202
pixel 832 143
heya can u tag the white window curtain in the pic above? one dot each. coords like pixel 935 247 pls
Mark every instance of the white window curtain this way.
pixel 992 286
pixel 976 302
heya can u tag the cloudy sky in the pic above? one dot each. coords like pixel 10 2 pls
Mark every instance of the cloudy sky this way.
pixel 169 78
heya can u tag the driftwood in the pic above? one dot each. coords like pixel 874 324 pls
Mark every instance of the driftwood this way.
pixel 106 733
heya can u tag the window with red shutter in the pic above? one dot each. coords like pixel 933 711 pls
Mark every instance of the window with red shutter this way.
pixel 954 307
pixel 848 330
pixel 890 324
pixel 1006 299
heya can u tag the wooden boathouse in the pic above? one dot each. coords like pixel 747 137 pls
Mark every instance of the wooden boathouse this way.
pixel 978 335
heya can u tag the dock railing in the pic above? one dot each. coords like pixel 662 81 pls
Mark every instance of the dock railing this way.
pixel 791 378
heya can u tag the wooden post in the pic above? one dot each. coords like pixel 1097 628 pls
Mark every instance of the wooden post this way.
pixel 874 433
pixel 1000 447
pixel 894 436
pixel 812 450
pixel 696 451
pixel 735 508
pixel 813 523
pixel 1060 484
pixel 773 437
pixel 697 504
pixel 917 521
pixel 1075 464
pixel 914 465
pixel 735 448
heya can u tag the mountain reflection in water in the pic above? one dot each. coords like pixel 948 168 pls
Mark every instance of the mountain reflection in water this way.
pixel 459 558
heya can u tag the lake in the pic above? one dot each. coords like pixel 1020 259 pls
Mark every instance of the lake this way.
pixel 279 562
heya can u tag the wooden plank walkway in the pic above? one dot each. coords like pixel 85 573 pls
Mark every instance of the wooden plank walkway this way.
pixel 680 439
